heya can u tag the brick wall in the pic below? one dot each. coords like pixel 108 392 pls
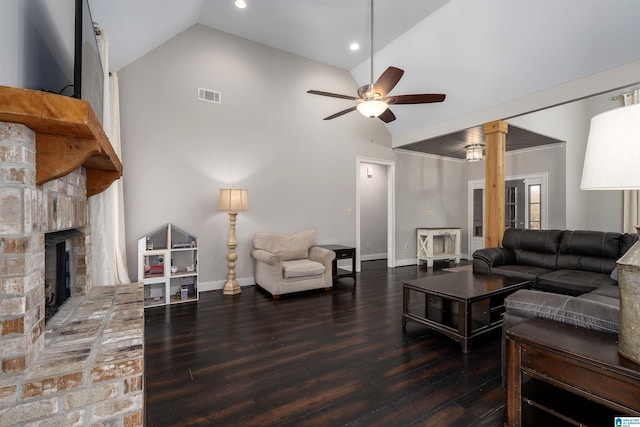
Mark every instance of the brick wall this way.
pixel 27 212
pixel 21 252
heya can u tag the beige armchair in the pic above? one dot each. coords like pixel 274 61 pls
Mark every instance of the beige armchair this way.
pixel 291 263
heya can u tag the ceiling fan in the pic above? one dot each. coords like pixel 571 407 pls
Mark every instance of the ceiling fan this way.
pixel 374 99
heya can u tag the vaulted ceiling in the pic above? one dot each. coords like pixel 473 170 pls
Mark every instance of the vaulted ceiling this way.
pixel 493 58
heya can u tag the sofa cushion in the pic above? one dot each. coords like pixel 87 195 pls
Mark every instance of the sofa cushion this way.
pixel 532 240
pixel 301 268
pixel 594 251
pixel 573 282
pixel 606 294
pixel 536 248
pixel 521 272
pixel 577 311
pixel 591 243
pixel 287 246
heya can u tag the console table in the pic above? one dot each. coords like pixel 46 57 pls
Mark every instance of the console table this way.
pixel 450 238
pixel 561 373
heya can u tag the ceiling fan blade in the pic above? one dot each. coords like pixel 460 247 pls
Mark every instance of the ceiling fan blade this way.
pixel 418 98
pixel 340 113
pixel 333 95
pixel 387 116
pixel 387 81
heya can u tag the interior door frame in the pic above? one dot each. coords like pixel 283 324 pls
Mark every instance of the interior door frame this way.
pixel 391 212
pixel 474 184
pixel 529 179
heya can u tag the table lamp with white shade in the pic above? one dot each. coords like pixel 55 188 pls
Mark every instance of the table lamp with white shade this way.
pixel 612 162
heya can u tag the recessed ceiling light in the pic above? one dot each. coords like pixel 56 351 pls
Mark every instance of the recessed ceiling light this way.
pixel 354 46
pixel 240 4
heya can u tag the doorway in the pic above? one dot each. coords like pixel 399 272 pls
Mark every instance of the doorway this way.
pixel 362 202
pixel 525 206
pixel 514 203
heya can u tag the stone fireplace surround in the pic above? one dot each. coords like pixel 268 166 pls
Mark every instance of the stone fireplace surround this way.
pixel 86 366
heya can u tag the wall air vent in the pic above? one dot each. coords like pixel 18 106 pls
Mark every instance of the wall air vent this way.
pixel 209 95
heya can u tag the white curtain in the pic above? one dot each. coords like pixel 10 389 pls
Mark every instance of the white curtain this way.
pixel 107 208
pixel 631 198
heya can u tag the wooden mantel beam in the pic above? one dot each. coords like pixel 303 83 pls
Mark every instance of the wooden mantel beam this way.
pixel 68 135
pixel 495 148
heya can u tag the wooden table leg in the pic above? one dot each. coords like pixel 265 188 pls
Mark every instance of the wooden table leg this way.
pixel 405 305
pixel 464 325
pixel 514 385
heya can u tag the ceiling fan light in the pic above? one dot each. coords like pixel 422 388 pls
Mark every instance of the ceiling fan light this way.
pixel 474 152
pixel 240 4
pixel 372 108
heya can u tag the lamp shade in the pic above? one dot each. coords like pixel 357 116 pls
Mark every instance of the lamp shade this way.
pixel 372 107
pixel 233 200
pixel 612 160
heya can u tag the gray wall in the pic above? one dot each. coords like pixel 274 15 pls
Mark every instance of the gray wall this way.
pixel 583 210
pixel 549 160
pixel 431 192
pixel 267 136
pixel 36 44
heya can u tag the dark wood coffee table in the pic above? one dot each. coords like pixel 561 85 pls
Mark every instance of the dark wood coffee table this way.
pixel 462 305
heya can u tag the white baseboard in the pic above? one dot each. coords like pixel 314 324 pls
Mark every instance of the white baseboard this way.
pixel 406 262
pixel 219 284
pixel 373 257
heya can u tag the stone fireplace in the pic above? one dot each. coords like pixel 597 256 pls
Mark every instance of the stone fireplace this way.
pixel 86 365
pixel 65 264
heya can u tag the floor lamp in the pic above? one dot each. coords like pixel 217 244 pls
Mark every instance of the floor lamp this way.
pixel 232 200
pixel 612 162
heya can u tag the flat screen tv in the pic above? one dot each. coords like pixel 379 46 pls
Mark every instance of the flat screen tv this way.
pixel 88 75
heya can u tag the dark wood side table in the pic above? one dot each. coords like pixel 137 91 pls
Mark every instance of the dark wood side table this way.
pixel 342 252
pixel 561 373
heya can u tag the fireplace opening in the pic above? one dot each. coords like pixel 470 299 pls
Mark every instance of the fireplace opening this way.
pixel 59 274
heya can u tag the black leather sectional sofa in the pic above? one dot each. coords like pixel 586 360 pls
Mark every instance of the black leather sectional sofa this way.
pixel 572 273
pixel 561 261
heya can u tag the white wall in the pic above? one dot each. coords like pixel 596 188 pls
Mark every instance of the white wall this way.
pixel 373 211
pixel 267 136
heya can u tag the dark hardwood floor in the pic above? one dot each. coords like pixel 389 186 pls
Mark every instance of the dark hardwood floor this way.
pixel 315 359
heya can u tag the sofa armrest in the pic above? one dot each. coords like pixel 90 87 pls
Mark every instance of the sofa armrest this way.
pixel 486 259
pixel 321 255
pixel 266 257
